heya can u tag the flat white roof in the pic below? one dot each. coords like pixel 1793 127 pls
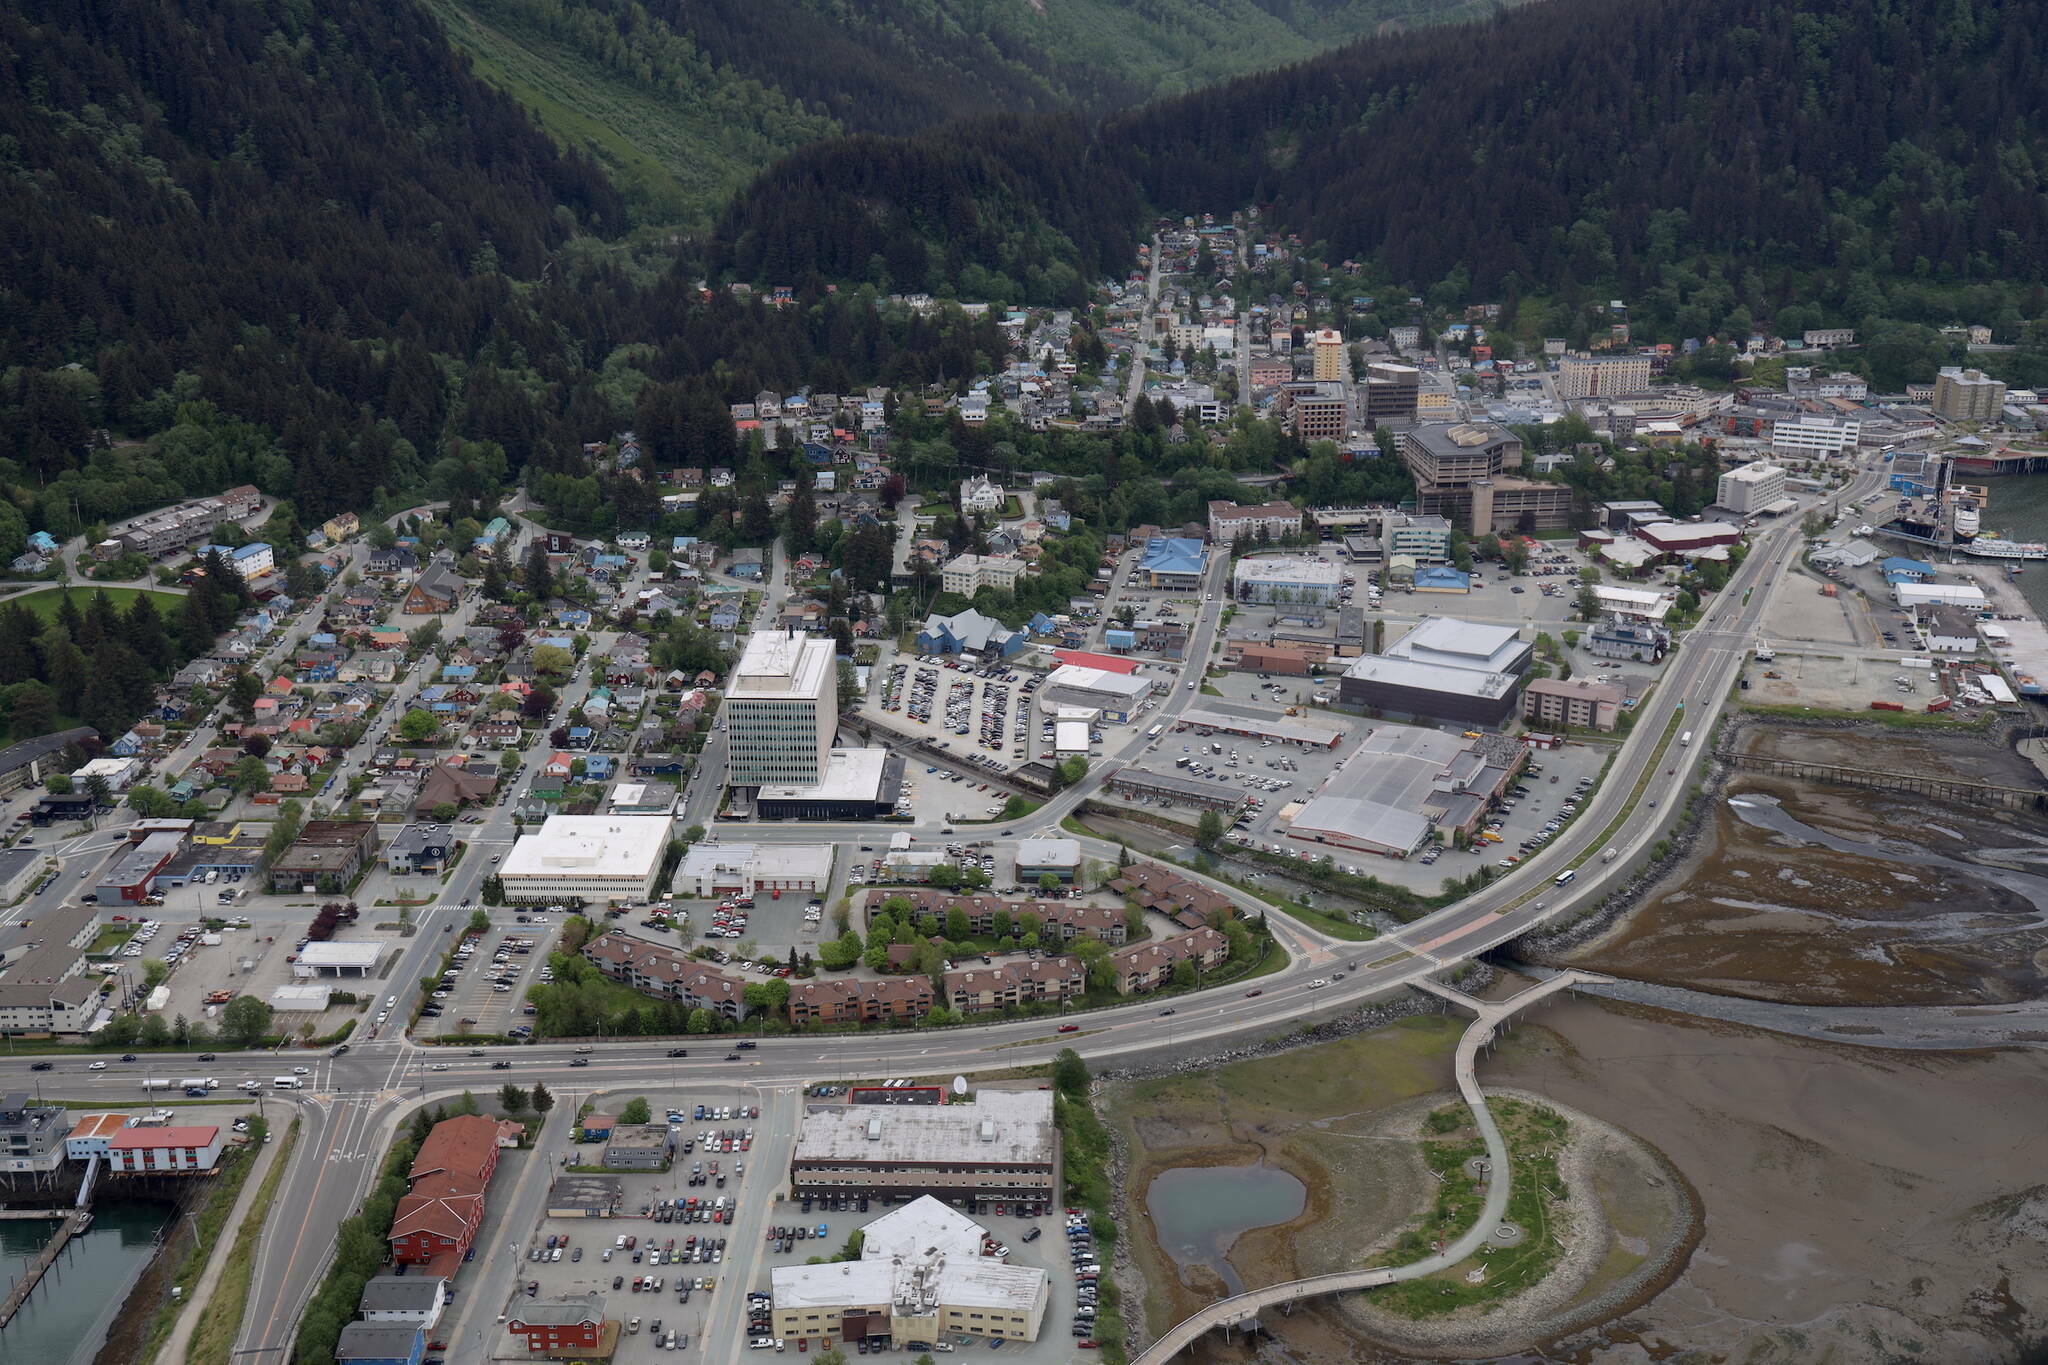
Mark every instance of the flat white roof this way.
pixel 1759 472
pixel 340 954
pixel 591 846
pixel 1020 1131
pixel 1049 852
pixel 1398 672
pixel 779 665
pixel 1288 569
pixel 1070 736
pixel 1447 642
pixel 850 775
pixel 782 860
pixel 1073 676
pixel 924 1224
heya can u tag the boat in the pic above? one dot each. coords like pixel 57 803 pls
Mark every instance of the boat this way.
pixel 1990 547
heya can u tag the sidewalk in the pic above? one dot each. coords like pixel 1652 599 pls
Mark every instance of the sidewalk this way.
pixel 202 1293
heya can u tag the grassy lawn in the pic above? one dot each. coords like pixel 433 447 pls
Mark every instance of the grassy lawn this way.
pixel 1409 1057
pixel 46 602
pixel 214 1338
pixel 111 938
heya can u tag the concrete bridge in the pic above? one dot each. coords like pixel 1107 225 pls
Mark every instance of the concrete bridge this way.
pixel 1488 1015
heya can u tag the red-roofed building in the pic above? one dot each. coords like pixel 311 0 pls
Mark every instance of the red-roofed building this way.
pixel 440 1215
pixel 1108 663
pixel 145 1151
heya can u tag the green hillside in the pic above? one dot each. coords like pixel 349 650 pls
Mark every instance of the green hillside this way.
pixel 683 103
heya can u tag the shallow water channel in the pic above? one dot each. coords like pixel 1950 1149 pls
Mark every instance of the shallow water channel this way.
pixel 1198 1211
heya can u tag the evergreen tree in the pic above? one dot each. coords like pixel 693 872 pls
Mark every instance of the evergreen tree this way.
pixel 539 576
pixel 34 711
pixel 144 632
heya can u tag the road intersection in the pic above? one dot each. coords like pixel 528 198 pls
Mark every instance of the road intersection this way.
pixel 353 1103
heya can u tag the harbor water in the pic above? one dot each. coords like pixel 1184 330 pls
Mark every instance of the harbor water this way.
pixel 1198 1211
pixel 66 1318
pixel 2019 510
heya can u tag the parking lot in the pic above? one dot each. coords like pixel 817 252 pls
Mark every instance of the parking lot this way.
pixel 693 1263
pixel 486 986
pixel 978 713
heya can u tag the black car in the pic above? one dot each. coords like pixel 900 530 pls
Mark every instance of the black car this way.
pixel 206 1057
pixel 43 1066
pixel 679 1052
pixel 127 1056
pixel 746 1047
pixel 501 1066
pixel 732 1056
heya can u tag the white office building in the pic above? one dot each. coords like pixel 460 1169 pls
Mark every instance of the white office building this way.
pixel 1116 696
pixel 718 869
pixel 1750 488
pixel 1814 438
pixel 587 860
pixel 781 709
pixel 1286 580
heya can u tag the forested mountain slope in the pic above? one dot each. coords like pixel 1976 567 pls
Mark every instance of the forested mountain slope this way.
pixel 1710 158
pixel 683 100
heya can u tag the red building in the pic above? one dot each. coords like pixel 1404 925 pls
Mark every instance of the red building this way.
pixel 440 1215
pixel 565 1325
pixel 144 1151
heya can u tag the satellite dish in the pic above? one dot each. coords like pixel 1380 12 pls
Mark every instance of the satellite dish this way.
pixel 959 1085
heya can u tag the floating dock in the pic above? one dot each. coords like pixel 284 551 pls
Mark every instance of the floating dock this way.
pixel 75 1222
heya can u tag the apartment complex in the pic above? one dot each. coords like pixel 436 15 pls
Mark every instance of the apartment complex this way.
pixel 1331 362
pixel 969 574
pixel 1602 376
pixel 1750 488
pixel 1461 472
pixel 45 989
pixel 781 709
pixel 1319 410
pixel 1000 1148
pixel 1968 395
pixel 1230 523
pixel 668 973
pixel 1577 701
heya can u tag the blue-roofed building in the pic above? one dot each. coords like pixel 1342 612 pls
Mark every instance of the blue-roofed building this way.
pixel 127 746
pixel 458 673
pixel 969 632
pixel 608 564
pixel 1441 578
pixel 816 453
pixel 1173 562
pixel 598 767
pixel 573 618
pixel 1119 640
pixel 1899 569
pixel 579 737
pixel 495 532
pixel 1041 624
pixel 725 616
pixel 42 543
pixel 567 642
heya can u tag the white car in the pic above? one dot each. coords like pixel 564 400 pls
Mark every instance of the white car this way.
pixel 1318 984
pixel 302 1071
pixel 252 1085
pixel 97 1066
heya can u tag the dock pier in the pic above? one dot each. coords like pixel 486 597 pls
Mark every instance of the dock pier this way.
pixel 75 1222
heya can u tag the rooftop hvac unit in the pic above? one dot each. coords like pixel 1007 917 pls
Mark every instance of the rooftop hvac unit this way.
pixel 874 1130
pixel 987 1131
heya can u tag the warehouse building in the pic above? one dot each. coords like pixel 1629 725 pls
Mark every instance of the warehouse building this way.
pixel 713 869
pixel 586 860
pixel 1000 1151
pixel 1404 786
pixel 921 1277
pixel 156 1151
pixel 1445 669
pixel 1286 579
pixel 1171 789
pixel 1116 695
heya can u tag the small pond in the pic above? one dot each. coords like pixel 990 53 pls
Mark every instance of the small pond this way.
pixel 1198 1211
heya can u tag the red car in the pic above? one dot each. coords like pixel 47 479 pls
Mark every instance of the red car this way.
pixel 1070 1028
pixel 1249 994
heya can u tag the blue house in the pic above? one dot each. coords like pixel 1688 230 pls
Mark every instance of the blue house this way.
pixel 567 642
pixel 573 618
pixel 1041 624
pixel 1899 569
pixel 598 767
pixel 127 746
pixel 184 789
pixel 746 563
pixel 42 543
pixel 458 673
pixel 1122 641
pixel 657 765
pixel 607 564
pixel 725 616
pixel 816 453
pixel 580 737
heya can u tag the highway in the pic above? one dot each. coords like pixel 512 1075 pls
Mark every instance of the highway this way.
pixel 354 1102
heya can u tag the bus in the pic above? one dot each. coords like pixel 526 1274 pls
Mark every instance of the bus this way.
pixel 1155 732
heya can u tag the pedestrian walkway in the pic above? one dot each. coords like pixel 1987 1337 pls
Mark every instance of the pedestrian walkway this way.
pixel 201 1301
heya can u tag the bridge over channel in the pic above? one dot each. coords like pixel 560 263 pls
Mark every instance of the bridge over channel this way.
pixel 1488 1015
pixel 1921 784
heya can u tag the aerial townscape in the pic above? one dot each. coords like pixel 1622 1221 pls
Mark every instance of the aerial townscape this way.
pixel 1376 664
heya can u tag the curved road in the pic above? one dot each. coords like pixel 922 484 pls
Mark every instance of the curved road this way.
pixel 354 1102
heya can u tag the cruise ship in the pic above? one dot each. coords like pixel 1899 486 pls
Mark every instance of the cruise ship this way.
pixel 1995 547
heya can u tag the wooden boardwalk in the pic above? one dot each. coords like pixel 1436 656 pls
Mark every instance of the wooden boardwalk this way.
pixel 75 1222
